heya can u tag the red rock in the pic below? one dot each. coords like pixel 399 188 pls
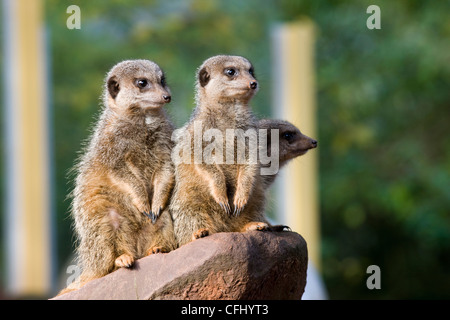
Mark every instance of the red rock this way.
pixel 251 265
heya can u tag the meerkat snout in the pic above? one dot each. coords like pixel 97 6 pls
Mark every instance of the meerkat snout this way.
pixel 253 84
pixel 295 142
pixel 292 142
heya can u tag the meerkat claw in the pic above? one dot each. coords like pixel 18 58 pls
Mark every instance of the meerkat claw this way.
pixel 238 210
pixel 124 261
pixel 256 226
pixel 147 214
pixel 201 233
pixel 156 250
pixel 239 205
pixel 225 207
pixel 154 215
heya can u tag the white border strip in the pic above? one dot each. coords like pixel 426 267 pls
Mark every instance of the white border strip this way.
pixel 13 204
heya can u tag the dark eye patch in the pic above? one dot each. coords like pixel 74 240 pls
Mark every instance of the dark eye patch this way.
pixel 288 136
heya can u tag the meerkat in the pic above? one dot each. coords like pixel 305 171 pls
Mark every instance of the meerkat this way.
pixel 218 197
pixel 291 144
pixel 125 175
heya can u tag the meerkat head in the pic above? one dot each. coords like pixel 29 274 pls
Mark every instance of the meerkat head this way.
pixel 226 78
pixel 133 85
pixel 292 143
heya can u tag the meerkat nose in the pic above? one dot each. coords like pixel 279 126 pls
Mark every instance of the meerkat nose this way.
pixel 167 98
pixel 314 143
pixel 253 84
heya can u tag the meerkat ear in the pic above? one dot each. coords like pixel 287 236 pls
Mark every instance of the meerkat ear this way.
pixel 203 77
pixel 113 87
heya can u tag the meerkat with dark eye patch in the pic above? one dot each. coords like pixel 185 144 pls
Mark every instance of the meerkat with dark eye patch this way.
pixel 292 143
pixel 288 144
pixel 212 197
pixel 125 175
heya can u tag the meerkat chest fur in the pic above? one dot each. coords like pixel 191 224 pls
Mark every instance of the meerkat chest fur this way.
pixel 147 137
pixel 223 116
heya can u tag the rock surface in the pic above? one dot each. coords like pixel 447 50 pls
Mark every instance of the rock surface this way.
pixel 252 265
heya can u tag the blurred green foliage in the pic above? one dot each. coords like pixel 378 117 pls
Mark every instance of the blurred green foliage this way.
pixel 383 112
pixel 385 154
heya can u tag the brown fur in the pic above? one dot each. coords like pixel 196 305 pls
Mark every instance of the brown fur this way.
pixel 210 198
pixel 125 173
pixel 292 143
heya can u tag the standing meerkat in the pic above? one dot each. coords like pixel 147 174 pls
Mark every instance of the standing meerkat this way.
pixel 212 197
pixel 126 173
pixel 291 144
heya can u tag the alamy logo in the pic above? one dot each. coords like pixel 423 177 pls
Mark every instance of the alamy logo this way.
pixel 374 21
pixel 373 281
pixel 234 146
pixel 74 20
pixel 75 272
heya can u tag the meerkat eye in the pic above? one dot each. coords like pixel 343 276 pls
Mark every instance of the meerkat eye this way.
pixel 252 72
pixel 230 72
pixel 163 81
pixel 288 136
pixel 141 83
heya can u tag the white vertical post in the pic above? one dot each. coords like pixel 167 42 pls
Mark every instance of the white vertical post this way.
pixel 294 101
pixel 27 196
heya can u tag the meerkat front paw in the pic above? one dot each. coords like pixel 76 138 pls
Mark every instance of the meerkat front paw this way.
pixel 225 206
pixel 156 249
pixel 279 228
pixel 144 207
pixel 160 197
pixel 256 226
pixel 156 211
pixel 239 204
pixel 124 261
pixel 200 233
